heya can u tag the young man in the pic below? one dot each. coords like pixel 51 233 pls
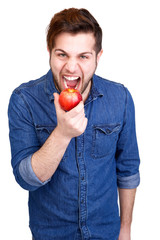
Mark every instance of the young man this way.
pixel 72 163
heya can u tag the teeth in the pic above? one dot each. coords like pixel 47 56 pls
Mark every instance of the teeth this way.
pixel 71 78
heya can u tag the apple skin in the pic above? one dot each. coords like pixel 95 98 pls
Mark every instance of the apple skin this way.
pixel 69 98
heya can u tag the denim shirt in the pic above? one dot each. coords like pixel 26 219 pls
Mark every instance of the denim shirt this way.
pixel 80 200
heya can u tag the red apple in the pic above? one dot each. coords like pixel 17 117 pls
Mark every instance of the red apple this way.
pixel 69 98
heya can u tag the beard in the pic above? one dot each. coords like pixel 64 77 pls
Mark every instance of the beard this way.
pixel 85 83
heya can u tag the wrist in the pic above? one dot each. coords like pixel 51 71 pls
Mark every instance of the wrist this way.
pixel 58 133
pixel 126 227
pixel 125 233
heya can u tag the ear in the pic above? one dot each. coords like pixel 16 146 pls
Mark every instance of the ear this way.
pixel 99 55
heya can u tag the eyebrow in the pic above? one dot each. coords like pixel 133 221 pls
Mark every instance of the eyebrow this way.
pixel 83 53
pixel 59 50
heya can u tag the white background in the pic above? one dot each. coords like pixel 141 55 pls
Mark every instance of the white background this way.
pixel 131 45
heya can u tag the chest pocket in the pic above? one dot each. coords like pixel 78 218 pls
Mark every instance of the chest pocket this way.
pixel 104 138
pixel 43 132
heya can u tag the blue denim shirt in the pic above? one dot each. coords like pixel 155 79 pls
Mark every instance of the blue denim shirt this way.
pixel 80 200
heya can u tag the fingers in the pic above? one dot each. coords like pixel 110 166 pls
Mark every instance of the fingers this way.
pixel 72 123
pixel 76 110
pixel 78 123
pixel 81 125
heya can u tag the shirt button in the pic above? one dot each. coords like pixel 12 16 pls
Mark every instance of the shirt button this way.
pixel 82 201
pixel 79 154
pixel 82 178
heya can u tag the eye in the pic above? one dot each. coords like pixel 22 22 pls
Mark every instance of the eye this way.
pixel 62 55
pixel 83 57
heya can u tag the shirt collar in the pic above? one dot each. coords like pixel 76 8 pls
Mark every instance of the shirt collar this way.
pixel 50 88
pixel 94 92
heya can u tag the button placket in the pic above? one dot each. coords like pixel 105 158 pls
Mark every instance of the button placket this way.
pixel 82 186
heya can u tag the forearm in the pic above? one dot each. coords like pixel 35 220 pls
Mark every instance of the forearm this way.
pixel 46 160
pixel 126 200
pixel 69 125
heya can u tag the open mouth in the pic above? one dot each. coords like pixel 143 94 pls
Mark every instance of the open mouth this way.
pixel 71 82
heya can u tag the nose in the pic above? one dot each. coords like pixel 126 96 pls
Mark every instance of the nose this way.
pixel 71 65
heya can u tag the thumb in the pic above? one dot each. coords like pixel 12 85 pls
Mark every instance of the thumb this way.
pixel 56 102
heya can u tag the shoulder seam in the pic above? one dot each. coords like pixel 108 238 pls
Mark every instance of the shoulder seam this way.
pixel 18 92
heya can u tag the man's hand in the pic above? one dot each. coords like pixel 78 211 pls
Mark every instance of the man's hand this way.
pixel 70 124
pixel 124 234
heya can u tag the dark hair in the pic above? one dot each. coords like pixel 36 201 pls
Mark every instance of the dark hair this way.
pixel 74 21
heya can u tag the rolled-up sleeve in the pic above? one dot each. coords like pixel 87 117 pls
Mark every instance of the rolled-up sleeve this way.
pixel 27 173
pixel 127 154
pixel 23 141
pixel 128 182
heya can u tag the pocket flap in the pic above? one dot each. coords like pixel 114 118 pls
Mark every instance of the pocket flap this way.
pixel 47 129
pixel 108 129
pixel 43 132
pixel 104 139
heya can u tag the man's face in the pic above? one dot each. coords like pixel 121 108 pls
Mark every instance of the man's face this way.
pixel 73 61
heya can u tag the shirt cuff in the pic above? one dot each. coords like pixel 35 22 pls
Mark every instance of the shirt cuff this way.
pixel 27 173
pixel 128 182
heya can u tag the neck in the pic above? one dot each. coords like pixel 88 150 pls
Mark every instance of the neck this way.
pixel 86 92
